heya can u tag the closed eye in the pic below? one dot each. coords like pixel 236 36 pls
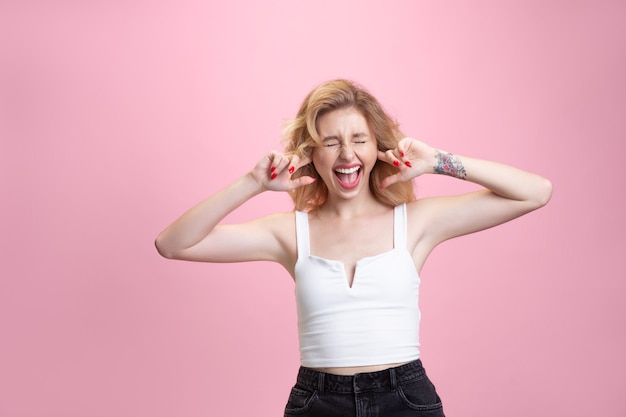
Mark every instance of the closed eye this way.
pixel 330 141
pixel 359 138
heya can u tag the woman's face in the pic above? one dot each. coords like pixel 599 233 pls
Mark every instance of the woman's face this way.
pixel 347 154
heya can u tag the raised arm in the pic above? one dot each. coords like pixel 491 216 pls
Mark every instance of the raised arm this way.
pixel 198 235
pixel 508 192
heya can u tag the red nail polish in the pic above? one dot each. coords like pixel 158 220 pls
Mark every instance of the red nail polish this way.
pixel 274 175
pixel 396 163
pixel 408 163
pixel 272 169
pixel 291 170
pixel 401 153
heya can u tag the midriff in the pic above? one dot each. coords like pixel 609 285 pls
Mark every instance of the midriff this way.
pixel 353 370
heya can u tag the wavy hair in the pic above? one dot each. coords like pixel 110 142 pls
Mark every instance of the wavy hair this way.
pixel 301 138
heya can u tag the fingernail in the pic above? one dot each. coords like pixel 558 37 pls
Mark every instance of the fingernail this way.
pixel 396 163
pixel 272 169
pixel 401 153
pixel 408 163
pixel 291 170
pixel 274 175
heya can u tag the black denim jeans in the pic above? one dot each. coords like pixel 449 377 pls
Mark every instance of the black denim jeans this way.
pixel 404 391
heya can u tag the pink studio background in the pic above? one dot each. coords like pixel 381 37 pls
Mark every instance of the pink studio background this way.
pixel 117 116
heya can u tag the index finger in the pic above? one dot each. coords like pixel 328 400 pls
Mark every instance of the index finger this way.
pixel 296 163
pixel 389 157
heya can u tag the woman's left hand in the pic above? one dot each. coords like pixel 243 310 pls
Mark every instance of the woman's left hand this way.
pixel 412 158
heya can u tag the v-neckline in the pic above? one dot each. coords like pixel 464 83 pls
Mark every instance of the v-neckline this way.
pixel 350 280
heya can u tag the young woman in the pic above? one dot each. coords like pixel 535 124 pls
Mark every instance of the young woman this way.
pixel 354 245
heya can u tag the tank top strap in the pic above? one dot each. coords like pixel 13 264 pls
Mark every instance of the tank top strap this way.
pixel 399 226
pixel 302 234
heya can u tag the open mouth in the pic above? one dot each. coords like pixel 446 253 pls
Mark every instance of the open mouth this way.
pixel 348 177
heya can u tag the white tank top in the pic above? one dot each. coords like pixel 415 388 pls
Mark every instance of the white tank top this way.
pixel 376 321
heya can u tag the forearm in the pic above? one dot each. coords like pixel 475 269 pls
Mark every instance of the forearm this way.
pixel 195 224
pixel 503 180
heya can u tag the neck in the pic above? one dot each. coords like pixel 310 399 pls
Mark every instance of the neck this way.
pixel 349 209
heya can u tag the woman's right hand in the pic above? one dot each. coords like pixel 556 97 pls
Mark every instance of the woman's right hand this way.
pixel 274 172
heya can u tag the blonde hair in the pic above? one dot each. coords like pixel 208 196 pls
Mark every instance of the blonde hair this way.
pixel 302 137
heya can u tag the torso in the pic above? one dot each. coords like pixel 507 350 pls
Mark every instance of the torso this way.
pixel 347 241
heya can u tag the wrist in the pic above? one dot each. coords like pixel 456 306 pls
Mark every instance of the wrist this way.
pixel 253 184
pixel 447 163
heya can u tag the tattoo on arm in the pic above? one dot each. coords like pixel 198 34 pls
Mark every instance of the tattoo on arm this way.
pixel 450 164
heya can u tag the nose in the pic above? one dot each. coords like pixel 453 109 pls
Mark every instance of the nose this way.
pixel 346 151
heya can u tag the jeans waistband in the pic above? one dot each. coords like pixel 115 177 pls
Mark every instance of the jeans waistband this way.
pixel 370 381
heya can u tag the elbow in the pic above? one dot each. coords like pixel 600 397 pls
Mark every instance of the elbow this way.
pixel 543 193
pixel 162 248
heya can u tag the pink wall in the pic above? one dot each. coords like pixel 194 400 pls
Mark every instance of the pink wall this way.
pixel 117 116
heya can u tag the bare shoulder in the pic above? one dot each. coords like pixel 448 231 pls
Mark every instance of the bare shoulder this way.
pixel 419 217
pixel 283 227
pixel 423 211
pixel 417 212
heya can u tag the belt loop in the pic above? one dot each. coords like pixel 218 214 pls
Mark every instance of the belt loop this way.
pixel 320 383
pixel 392 379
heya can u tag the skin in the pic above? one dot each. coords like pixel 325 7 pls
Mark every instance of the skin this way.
pixel 351 215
